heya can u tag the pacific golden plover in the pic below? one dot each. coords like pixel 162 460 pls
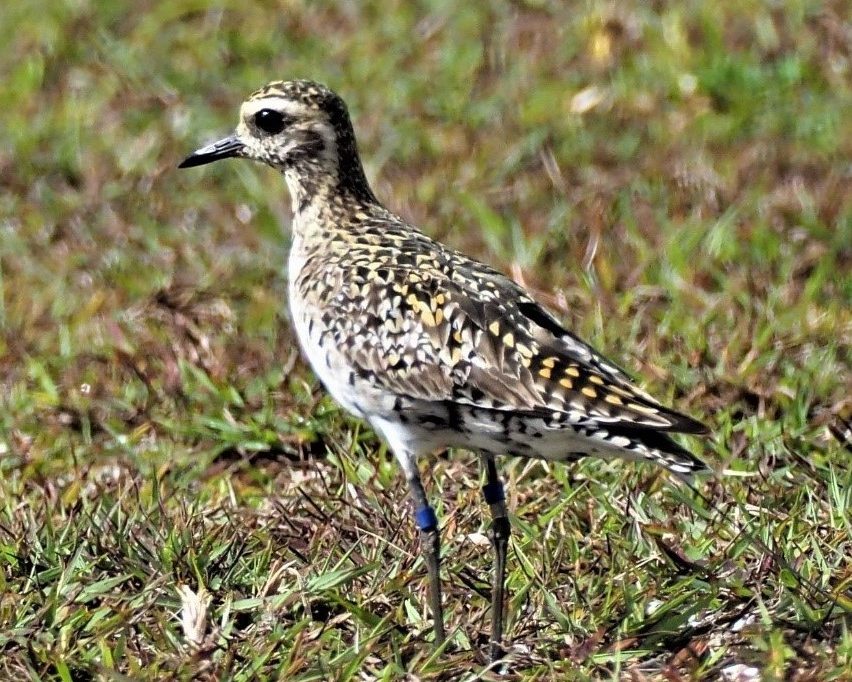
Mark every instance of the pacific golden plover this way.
pixel 432 348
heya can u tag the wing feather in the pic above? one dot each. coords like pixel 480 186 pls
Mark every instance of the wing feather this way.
pixel 464 333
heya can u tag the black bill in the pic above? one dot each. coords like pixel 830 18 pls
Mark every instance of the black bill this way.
pixel 223 149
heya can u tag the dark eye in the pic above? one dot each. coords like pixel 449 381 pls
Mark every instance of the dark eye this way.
pixel 270 121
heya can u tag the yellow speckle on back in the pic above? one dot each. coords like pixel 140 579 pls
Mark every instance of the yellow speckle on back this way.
pixel 544 373
pixel 589 391
pixel 494 327
pixel 642 408
pixel 509 340
pixel 450 357
pixel 613 399
pixel 549 362
pixel 595 379
pixel 572 371
pixel 567 383
pixel 524 350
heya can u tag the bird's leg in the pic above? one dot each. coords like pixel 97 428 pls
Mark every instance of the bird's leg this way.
pixel 495 496
pixel 430 546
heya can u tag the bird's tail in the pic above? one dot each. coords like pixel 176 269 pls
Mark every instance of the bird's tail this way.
pixel 660 448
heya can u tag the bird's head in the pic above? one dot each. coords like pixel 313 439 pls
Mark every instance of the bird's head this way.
pixel 299 127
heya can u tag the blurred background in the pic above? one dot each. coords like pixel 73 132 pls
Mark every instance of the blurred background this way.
pixel 671 179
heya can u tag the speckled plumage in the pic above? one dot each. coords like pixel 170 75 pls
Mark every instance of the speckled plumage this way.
pixel 416 332
pixel 433 348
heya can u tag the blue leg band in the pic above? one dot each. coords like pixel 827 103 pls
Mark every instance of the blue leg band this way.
pixel 426 519
pixel 493 492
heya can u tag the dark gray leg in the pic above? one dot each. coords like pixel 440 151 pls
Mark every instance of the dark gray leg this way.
pixel 500 530
pixel 430 546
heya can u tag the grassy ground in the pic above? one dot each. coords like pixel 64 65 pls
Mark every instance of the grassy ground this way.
pixel 674 182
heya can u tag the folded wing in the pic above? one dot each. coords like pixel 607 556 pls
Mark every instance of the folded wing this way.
pixel 467 334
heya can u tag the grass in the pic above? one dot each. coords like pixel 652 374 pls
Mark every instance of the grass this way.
pixel 672 181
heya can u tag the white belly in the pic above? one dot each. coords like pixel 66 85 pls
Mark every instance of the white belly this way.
pixel 326 363
pixel 355 394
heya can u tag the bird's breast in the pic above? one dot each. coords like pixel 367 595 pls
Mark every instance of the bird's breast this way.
pixel 312 285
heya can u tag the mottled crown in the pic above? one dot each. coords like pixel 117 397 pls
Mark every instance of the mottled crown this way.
pixel 310 93
pixel 314 96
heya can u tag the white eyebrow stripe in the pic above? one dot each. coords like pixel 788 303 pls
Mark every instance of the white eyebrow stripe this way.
pixel 285 106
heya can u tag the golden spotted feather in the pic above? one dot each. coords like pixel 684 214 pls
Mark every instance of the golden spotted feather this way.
pixel 426 323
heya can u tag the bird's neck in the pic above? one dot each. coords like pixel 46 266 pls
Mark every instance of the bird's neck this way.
pixel 329 206
pixel 332 177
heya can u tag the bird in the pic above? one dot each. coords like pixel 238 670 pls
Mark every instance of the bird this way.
pixel 432 348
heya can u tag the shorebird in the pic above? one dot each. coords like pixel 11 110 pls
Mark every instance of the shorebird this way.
pixel 432 348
